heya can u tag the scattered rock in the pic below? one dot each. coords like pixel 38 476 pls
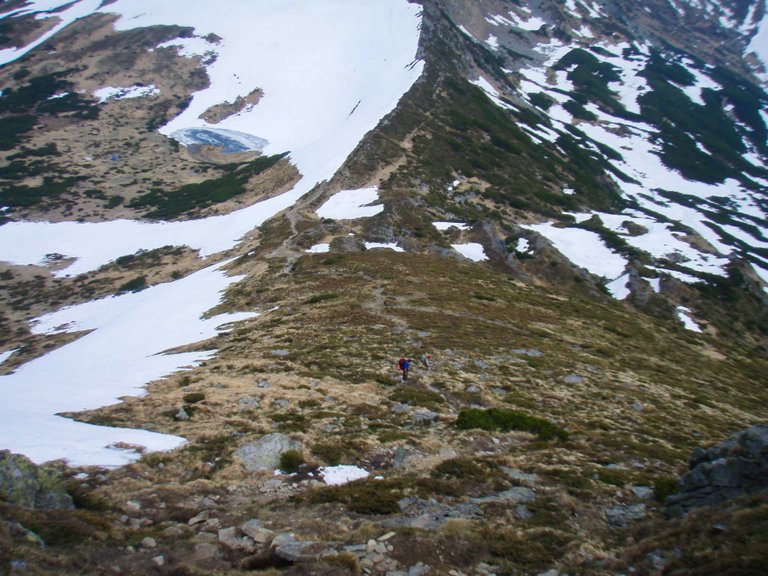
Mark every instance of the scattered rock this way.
pixel 199 518
pixel 257 532
pixel 419 569
pixel 286 546
pixel 515 494
pixel 515 474
pixel 229 538
pixel 263 384
pixel 19 566
pixel 735 467
pixel 522 512
pixel 620 516
pixel 473 389
pixel 430 514
pixel 281 352
pixel 573 379
pixel 637 407
pixel 404 456
pixel 532 352
pixel 656 559
pixel 149 543
pixel 25 484
pixel 643 492
pixel 205 551
pixel 173 532
pixel 400 408
pixel 159 561
pixel 23 533
pixel 424 416
pixel 133 506
pixel 249 402
pixel 264 454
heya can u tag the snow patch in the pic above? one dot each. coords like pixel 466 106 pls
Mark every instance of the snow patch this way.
pixel 492 93
pixel 583 248
pixel 5 355
pixel 351 204
pixel 386 245
pixel 112 93
pixel 124 350
pixel 337 475
pixel 683 315
pixel 471 250
pixel 443 226
pixel 618 288
pixel 319 249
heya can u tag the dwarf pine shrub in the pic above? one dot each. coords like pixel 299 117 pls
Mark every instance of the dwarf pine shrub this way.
pixel 290 461
pixel 503 420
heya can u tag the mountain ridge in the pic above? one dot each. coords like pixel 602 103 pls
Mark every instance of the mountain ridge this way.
pixel 525 210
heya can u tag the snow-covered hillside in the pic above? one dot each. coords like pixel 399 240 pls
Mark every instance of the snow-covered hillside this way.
pixel 686 141
pixel 329 71
pixel 675 128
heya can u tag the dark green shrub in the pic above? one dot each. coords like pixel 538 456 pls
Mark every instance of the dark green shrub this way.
pixel 505 420
pixel 136 285
pixel 193 397
pixel 665 487
pixel 417 397
pixel 324 297
pixel 291 461
pixel 380 496
pixel 466 469
pixel 169 204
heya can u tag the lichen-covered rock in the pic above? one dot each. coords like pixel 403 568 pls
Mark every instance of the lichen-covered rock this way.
pixel 264 454
pixel 25 484
pixel 737 466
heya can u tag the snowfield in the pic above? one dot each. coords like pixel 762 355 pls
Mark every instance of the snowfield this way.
pixel 351 204
pixel 583 248
pixel 329 70
pixel 120 354
pixel 641 160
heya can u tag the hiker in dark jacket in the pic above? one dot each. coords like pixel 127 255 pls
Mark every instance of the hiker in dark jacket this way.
pixel 404 364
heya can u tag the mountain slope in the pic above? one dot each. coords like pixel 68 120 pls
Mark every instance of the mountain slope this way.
pixel 562 203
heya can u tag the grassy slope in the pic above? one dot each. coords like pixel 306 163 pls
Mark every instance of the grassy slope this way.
pixel 649 392
pixel 635 393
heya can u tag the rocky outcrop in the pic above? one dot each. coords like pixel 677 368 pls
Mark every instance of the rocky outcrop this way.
pixel 737 466
pixel 25 484
pixel 264 454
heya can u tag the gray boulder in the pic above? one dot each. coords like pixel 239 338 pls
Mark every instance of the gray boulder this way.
pixel 735 467
pixel 287 547
pixel 264 454
pixel 26 484
pixel 621 516
pixel 514 494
